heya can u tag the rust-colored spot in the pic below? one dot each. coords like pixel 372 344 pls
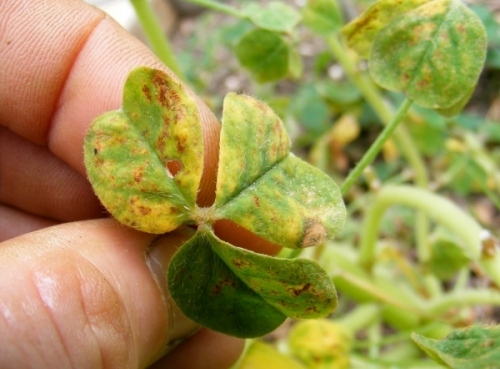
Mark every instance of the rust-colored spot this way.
pixel 162 139
pixel 144 210
pixel 314 234
pixel 461 29
pixel 256 201
pixel 147 92
pixel 174 166
pixel 181 144
pixel 298 291
pixel 219 286
pixel 138 175
pixel 423 83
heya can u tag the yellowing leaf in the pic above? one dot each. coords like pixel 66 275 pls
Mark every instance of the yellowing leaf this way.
pixel 130 153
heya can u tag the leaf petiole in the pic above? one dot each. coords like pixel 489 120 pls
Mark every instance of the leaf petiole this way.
pixel 375 148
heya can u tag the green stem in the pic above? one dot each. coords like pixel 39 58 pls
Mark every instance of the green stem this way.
pixel 219 7
pixel 154 33
pixel 463 298
pixel 375 148
pixel 440 209
pixel 401 135
pixel 360 317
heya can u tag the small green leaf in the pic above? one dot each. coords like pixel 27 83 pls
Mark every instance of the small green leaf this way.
pixel 265 54
pixel 274 16
pixel 322 16
pixel 145 161
pixel 360 33
pixel 433 53
pixel 272 184
pixel 239 292
pixel 469 348
pixel 447 259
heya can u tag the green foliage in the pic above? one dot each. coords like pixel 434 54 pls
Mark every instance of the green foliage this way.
pixel 447 259
pixel 431 50
pixel 267 55
pixel 274 16
pixel 469 348
pixel 145 164
pixel 322 16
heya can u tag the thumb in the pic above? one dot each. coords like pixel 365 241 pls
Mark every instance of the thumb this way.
pixel 89 295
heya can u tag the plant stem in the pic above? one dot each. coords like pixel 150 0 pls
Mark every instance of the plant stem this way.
pixel 401 135
pixel 154 33
pixel 360 317
pixel 463 298
pixel 375 147
pixel 219 7
pixel 442 211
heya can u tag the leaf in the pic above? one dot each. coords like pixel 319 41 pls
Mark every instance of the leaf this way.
pixel 265 54
pixel 447 259
pixel 274 16
pixel 470 348
pixel 433 53
pixel 244 294
pixel 145 161
pixel 360 33
pixel 272 185
pixel 322 16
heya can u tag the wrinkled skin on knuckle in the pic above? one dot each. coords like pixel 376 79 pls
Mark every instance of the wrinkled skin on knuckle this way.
pixel 69 317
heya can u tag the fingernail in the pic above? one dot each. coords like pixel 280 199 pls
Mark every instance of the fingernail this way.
pixel 159 255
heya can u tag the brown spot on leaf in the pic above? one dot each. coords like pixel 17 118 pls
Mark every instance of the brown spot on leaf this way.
pixel 298 291
pixel 174 166
pixel 138 175
pixel 423 83
pixel 256 201
pixel 144 210
pixel 147 92
pixel 314 234
pixel 219 286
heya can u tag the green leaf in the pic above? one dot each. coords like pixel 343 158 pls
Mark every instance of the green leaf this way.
pixel 265 54
pixel 447 259
pixel 322 16
pixel 433 53
pixel 470 348
pixel 272 184
pixel 244 294
pixel 145 161
pixel 360 33
pixel 274 16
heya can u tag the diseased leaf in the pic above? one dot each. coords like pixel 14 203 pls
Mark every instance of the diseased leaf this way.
pixel 469 348
pixel 360 33
pixel 274 16
pixel 265 54
pixel 433 53
pixel 272 185
pixel 322 16
pixel 242 293
pixel 208 292
pixel 145 161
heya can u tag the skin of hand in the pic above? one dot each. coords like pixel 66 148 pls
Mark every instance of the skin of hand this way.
pixel 78 289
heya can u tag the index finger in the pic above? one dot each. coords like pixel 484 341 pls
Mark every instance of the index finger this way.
pixel 65 64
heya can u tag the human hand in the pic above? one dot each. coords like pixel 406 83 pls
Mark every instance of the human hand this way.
pixel 82 293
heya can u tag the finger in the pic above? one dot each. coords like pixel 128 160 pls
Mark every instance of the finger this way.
pixel 79 65
pixel 82 62
pixel 14 223
pixel 33 180
pixel 84 297
pixel 198 352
